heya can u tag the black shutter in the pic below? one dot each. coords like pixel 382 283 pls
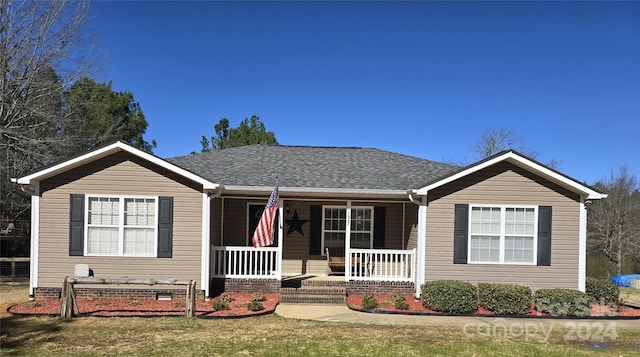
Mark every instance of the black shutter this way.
pixel 76 225
pixel 315 234
pixel 165 227
pixel 544 235
pixel 460 234
pixel 378 227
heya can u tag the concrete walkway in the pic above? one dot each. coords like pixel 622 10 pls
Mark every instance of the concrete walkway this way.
pixel 341 313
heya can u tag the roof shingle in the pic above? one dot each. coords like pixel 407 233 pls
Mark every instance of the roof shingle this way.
pixel 313 167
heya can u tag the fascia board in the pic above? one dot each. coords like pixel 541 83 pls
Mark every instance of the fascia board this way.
pixel 106 151
pixel 527 165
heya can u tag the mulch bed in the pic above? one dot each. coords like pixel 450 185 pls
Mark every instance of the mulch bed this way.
pixel 107 307
pixel 238 307
pixel 385 304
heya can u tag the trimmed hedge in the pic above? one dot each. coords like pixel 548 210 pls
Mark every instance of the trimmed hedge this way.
pixel 505 299
pixel 449 296
pixel 563 302
pixel 602 291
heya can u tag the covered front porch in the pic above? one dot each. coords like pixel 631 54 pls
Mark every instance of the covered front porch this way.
pixel 377 240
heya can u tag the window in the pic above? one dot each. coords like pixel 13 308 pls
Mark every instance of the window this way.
pixel 502 235
pixel 335 227
pixel 121 226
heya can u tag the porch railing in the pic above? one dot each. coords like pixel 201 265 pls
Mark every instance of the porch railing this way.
pixel 245 262
pixel 382 265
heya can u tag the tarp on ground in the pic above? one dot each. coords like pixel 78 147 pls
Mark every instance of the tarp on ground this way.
pixel 624 279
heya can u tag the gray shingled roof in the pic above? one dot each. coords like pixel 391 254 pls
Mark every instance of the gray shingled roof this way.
pixel 314 167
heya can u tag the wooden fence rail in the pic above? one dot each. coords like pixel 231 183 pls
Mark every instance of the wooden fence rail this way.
pixel 68 303
pixel 14 268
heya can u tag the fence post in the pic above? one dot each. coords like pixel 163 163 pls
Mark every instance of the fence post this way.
pixel 191 299
pixel 68 300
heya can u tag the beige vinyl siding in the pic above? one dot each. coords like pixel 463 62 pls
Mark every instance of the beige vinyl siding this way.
pixel 296 251
pixel 504 184
pixel 119 174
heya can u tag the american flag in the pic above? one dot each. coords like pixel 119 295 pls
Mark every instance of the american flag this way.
pixel 263 236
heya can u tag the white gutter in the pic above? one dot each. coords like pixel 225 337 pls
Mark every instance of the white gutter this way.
pixel 312 191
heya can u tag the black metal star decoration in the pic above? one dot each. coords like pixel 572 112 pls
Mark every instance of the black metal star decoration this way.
pixel 295 224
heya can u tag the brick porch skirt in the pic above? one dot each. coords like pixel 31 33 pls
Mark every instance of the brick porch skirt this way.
pixel 380 287
pixel 242 286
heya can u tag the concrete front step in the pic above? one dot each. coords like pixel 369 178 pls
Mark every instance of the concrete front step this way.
pixel 314 292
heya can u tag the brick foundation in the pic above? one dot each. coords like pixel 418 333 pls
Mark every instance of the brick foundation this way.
pixel 380 287
pixel 240 286
pixel 130 293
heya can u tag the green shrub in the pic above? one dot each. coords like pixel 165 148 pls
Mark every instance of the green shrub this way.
pixel 259 296
pixel 369 302
pixel 449 296
pixel 505 299
pixel 400 302
pixel 563 302
pixel 255 306
pixel 602 291
pixel 220 304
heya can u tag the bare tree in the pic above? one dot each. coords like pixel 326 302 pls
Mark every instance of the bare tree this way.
pixel 42 51
pixel 614 223
pixel 495 140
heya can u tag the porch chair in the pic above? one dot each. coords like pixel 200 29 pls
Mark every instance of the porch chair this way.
pixel 7 230
pixel 335 260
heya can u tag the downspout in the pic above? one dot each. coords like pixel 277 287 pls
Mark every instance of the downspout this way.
pixel 421 244
pixel 582 245
pixel 34 191
pixel 205 272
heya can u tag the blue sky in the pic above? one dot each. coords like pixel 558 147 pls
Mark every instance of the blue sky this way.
pixel 421 78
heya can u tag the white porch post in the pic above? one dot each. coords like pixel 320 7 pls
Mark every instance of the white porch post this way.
pixel 280 238
pixel 582 246
pixel 206 244
pixel 35 239
pixel 347 244
pixel 422 244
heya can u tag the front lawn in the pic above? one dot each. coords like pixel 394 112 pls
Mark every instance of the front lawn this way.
pixel 276 336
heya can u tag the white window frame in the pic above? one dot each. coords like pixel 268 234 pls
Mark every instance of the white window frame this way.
pixel 121 226
pixel 348 222
pixel 503 210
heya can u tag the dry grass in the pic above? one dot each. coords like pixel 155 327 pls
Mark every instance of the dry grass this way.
pixel 269 335
pixel 630 295
pixel 273 336
pixel 11 293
